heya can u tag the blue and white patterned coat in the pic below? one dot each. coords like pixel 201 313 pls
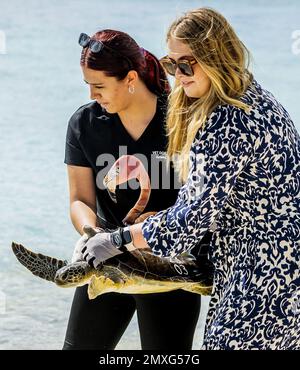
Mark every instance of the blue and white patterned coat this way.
pixel 244 182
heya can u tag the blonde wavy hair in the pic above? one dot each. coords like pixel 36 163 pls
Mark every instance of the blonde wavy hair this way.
pixel 225 59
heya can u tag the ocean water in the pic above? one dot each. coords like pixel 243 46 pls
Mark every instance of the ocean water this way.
pixel 41 86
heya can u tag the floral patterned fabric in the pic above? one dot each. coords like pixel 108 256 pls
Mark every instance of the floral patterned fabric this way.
pixel 244 182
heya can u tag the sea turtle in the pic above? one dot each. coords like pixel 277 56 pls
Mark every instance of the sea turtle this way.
pixel 134 272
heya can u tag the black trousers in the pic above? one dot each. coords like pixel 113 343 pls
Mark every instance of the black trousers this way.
pixel 167 321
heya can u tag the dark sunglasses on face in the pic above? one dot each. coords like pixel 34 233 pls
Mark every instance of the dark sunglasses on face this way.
pixel 96 46
pixel 185 66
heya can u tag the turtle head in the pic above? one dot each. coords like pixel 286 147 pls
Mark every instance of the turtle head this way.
pixel 75 274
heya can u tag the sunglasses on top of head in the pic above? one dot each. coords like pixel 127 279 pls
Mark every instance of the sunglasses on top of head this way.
pixel 185 66
pixel 96 46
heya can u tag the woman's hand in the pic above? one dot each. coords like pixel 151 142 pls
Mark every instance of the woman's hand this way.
pixel 78 247
pixel 88 232
pixel 99 248
pixel 96 245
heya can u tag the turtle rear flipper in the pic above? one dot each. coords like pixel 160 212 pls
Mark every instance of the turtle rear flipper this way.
pixel 199 288
pixel 40 265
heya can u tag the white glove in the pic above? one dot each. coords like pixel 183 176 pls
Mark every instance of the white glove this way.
pixel 89 232
pixel 101 247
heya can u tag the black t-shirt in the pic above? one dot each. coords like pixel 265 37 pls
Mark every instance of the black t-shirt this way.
pixel 96 139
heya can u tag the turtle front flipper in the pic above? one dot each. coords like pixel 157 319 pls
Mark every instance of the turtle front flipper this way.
pixel 40 265
pixel 114 274
pixel 109 279
pixel 98 285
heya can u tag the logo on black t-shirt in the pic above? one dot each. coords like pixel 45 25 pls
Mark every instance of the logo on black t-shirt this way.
pixel 103 117
pixel 159 154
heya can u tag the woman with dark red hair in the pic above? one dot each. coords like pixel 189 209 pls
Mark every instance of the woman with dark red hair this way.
pixel 129 91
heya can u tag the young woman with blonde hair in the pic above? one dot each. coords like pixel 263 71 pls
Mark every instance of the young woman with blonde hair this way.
pixel 238 152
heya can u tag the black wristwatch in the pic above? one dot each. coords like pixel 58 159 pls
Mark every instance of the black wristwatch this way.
pixel 122 239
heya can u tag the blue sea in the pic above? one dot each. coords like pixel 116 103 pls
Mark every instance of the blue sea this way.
pixel 41 86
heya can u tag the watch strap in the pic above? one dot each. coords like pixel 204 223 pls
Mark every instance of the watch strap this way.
pixel 127 238
pixel 122 239
pixel 117 240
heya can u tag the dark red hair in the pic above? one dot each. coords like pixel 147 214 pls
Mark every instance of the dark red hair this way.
pixel 128 56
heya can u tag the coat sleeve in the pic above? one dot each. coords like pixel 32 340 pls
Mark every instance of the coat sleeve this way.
pixel 218 155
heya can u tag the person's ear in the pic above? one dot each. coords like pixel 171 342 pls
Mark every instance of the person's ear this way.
pixel 132 77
